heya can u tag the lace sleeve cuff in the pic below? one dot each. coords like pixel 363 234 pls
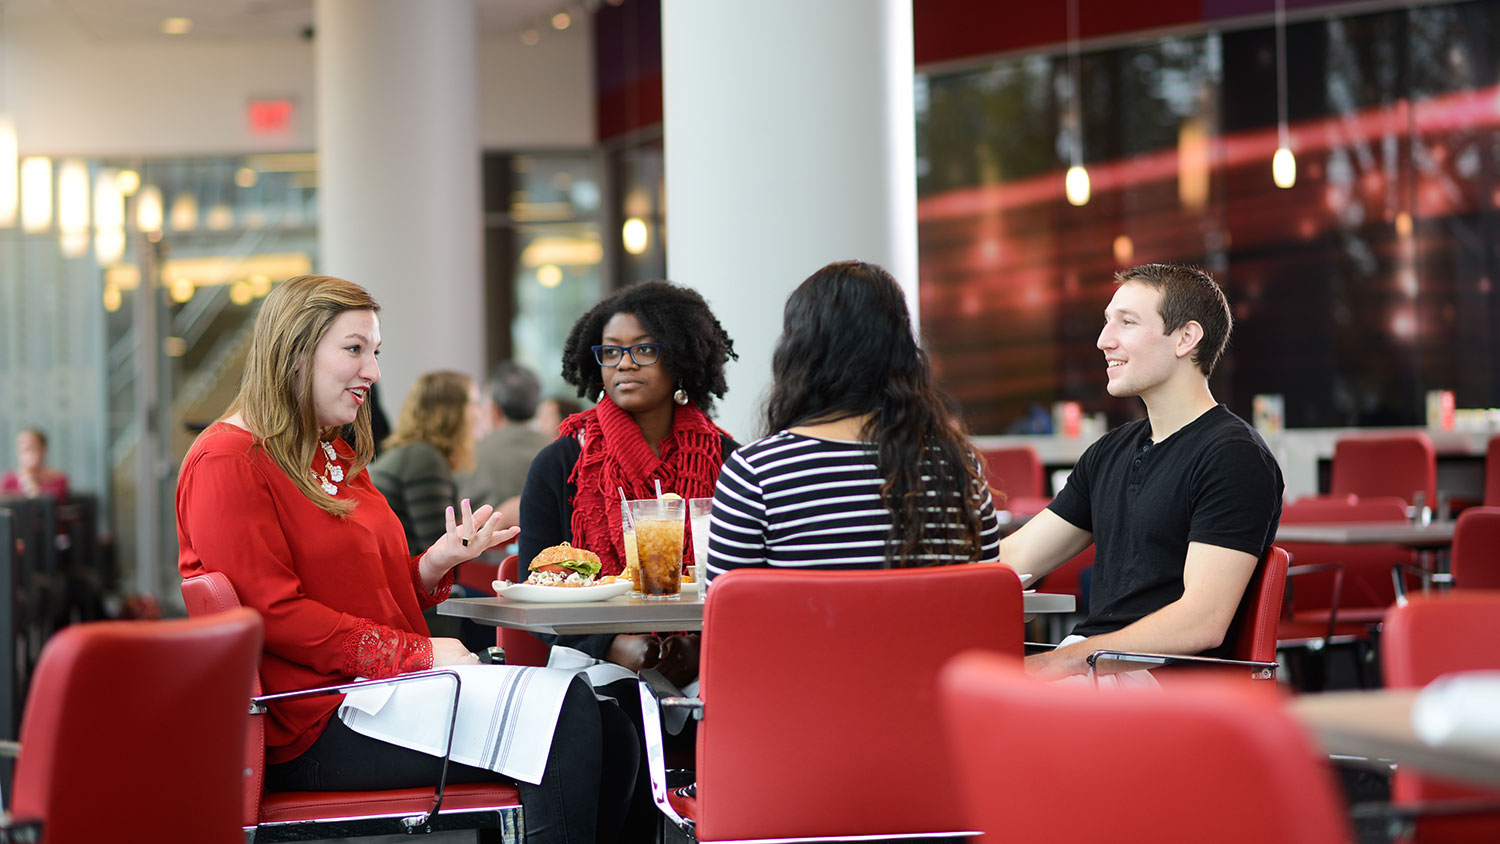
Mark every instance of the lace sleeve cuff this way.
pixel 376 651
pixel 439 593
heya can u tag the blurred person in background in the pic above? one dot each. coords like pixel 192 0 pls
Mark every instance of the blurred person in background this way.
pixel 433 440
pixel 504 455
pixel 552 412
pixel 32 477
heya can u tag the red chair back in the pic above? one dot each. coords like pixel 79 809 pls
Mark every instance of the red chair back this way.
pixel 1209 759
pixel 1367 581
pixel 1492 473
pixel 1475 559
pixel 1017 472
pixel 1423 639
pixel 1252 633
pixel 1397 465
pixel 829 679
pixel 134 731
pixel 521 648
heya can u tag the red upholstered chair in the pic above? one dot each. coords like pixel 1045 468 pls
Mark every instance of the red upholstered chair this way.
pixel 492 809
pixel 1475 558
pixel 1251 635
pixel 521 648
pixel 827 681
pixel 1396 465
pixel 135 732
pixel 1205 760
pixel 1423 639
pixel 1338 593
pixel 1017 472
pixel 1492 473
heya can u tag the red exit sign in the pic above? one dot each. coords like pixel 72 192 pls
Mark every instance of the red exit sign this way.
pixel 270 116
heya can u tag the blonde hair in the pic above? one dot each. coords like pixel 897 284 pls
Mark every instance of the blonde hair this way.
pixel 276 390
pixel 436 411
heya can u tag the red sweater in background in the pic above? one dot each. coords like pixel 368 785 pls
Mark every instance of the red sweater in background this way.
pixel 341 598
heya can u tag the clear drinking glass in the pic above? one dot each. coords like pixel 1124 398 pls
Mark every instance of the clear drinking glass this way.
pixel 632 555
pixel 659 529
pixel 698 513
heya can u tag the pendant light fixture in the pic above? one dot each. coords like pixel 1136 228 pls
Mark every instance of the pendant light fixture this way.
pixel 1076 185
pixel 1283 163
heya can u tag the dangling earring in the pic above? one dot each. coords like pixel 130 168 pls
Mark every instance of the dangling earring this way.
pixel 681 396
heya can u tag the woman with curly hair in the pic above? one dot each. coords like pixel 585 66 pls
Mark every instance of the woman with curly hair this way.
pixel 652 356
pixel 434 438
pixel 865 465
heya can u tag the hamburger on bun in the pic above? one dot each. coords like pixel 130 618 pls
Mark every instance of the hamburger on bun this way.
pixel 564 565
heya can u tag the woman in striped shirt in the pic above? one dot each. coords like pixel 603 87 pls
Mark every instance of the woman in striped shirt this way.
pixel 865 466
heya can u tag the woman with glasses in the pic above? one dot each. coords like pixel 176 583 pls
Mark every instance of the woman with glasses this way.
pixel 865 464
pixel 652 356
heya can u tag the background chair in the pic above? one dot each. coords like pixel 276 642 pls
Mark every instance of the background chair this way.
pixel 135 732
pixel 1338 594
pixel 818 700
pixel 1203 761
pixel 1017 474
pixel 1475 558
pixel 491 809
pixel 1398 465
pixel 1251 637
pixel 1423 639
pixel 521 648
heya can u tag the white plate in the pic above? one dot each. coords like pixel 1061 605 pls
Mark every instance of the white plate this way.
pixel 560 594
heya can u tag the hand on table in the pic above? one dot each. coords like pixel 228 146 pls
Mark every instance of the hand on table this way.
pixel 679 658
pixel 634 651
pixel 452 652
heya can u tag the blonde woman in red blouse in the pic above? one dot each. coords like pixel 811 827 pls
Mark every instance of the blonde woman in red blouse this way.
pixel 274 498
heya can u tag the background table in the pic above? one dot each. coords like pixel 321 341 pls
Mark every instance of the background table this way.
pixel 1434 535
pixel 636 615
pixel 1377 724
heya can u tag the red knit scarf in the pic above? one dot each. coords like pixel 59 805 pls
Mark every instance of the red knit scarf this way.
pixel 615 456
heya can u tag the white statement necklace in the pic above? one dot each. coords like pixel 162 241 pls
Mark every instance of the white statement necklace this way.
pixel 333 473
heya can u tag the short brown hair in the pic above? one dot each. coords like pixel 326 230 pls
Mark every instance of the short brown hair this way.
pixel 1188 294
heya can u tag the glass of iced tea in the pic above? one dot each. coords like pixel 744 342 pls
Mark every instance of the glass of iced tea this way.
pixel 659 534
pixel 632 556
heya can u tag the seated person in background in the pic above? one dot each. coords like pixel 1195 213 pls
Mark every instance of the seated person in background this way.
pixel 504 455
pixel 551 413
pixel 1180 505
pixel 865 467
pixel 32 476
pixel 434 438
pixel 656 354
pixel 273 497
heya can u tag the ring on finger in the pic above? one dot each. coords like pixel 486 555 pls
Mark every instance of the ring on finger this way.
pixel 464 540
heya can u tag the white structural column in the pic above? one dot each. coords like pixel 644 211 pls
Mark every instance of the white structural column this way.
pixel 399 189
pixel 790 143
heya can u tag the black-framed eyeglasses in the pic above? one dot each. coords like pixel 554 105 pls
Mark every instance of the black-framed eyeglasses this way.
pixel 644 354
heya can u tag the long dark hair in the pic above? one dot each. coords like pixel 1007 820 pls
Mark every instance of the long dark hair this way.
pixel 846 350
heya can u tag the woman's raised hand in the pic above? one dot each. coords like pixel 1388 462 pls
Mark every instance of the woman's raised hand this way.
pixel 468 534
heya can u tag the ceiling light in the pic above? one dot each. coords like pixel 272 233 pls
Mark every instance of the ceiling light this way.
pixel 10 186
pixel 531 37
pixel 1283 163
pixel 635 235
pixel 177 26
pixel 36 193
pixel 1076 185
pixel 561 21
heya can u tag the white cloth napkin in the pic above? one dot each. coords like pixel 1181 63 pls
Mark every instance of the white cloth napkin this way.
pixel 506 716
pixel 602 673
pixel 1459 709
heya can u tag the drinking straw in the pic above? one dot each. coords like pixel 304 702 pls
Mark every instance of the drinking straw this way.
pixel 658 487
pixel 625 516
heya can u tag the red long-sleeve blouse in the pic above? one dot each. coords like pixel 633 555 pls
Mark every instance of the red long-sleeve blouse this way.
pixel 341 598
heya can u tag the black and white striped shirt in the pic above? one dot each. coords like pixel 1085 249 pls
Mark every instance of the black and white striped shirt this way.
pixel 799 502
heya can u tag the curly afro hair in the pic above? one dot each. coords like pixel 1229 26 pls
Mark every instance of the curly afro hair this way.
pixel 693 343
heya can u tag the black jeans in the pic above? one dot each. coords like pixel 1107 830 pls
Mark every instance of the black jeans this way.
pixel 586 786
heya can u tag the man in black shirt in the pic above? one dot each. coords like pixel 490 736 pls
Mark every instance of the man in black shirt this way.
pixel 1180 506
